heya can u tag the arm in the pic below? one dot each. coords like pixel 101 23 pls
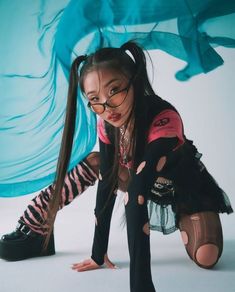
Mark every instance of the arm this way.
pixel 103 212
pixel 137 213
pixel 104 203
pixel 151 165
pixel 164 136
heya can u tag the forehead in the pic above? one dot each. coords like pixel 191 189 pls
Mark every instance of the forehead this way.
pixel 98 78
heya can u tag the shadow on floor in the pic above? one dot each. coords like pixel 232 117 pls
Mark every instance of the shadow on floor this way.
pixel 227 261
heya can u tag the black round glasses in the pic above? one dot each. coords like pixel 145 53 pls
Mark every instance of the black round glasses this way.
pixel 113 101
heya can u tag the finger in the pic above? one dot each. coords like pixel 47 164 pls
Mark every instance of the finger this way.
pixel 83 263
pixel 87 268
pixel 80 266
pixel 77 265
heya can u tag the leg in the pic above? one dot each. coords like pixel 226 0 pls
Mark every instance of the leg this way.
pixel 76 182
pixel 203 238
pixel 28 238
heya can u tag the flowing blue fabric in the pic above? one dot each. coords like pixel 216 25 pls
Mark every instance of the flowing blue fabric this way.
pixel 40 38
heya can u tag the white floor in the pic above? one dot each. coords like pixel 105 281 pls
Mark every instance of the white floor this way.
pixel 171 268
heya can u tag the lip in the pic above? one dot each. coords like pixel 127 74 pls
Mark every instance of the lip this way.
pixel 114 117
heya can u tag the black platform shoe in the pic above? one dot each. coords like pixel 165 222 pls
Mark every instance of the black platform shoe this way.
pixel 23 243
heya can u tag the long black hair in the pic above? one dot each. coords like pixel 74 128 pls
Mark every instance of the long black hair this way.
pixel 130 60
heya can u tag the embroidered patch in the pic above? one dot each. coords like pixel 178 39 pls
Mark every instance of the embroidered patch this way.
pixel 161 122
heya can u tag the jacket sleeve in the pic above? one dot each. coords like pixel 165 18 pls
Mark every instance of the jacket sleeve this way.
pixel 137 213
pixel 164 136
pixel 105 200
pixel 145 175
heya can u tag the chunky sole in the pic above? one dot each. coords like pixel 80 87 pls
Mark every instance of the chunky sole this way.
pixel 29 247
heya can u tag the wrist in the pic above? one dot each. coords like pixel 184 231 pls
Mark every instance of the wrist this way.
pixel 98 261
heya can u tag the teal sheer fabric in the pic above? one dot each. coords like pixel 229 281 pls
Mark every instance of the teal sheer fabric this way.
pixel 40 38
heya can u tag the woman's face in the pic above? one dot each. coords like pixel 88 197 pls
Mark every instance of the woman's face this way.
pixel 101 86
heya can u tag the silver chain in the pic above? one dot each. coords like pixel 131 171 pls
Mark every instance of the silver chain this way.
pixel 124 144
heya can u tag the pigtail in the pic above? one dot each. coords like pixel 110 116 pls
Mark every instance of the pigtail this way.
pixel 143 89
pixel 140 79
pixel 66 147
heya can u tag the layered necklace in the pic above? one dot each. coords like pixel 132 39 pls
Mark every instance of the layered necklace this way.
pixel 124 146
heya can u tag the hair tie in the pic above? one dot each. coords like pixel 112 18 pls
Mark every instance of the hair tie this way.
pixel 125 48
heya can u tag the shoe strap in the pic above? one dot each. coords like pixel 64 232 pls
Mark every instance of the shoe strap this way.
pixel 25 229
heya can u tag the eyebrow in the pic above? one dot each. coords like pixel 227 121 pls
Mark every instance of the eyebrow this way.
pixel 106 85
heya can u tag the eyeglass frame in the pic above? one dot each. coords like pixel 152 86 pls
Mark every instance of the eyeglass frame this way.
pixel 105 104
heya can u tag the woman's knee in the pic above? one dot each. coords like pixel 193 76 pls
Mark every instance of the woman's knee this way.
pixel 202 237
pixel 207 255
pixel 93 160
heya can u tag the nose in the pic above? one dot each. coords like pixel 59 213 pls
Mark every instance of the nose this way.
pixel 108 109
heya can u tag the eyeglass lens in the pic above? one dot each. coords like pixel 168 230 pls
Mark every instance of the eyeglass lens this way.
pixel 114 101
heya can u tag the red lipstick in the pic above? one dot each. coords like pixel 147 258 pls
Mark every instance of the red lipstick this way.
pixel 114 117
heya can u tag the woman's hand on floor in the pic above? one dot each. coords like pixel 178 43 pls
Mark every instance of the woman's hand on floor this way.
pixel 89 264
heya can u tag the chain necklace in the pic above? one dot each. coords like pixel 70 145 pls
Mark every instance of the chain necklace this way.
pixel 124 146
